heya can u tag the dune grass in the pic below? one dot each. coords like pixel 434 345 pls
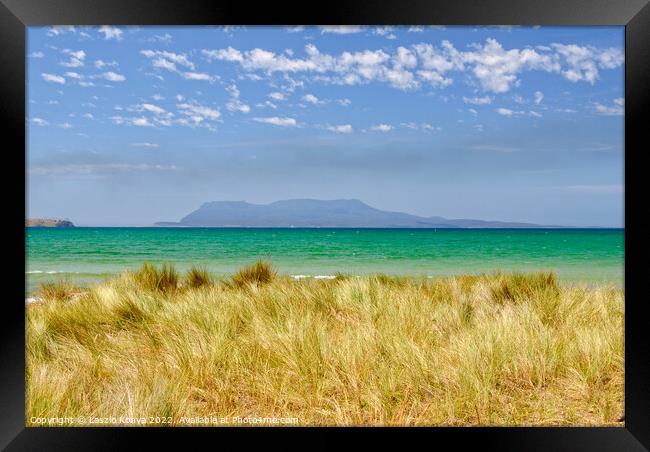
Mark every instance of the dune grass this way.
pixel 259 273
pixel 198 277
pixel 498 349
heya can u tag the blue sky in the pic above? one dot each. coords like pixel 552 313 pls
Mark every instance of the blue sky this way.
pixel 133 125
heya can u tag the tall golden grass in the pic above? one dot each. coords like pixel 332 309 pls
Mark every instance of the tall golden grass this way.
pixel 499 349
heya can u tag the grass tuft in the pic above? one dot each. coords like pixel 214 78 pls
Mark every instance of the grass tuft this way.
pixel 198 277
pixel 258 274
pixel 517 286
pixel 150 278
pixel 57 291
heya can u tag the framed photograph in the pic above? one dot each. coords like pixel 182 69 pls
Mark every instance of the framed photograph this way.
pixel 413 214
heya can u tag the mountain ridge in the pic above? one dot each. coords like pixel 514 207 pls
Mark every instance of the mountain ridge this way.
pixel 335 213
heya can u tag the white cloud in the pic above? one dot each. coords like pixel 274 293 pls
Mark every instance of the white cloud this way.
pixel 74 75
pixel 113 77
pixel 254 77
pixel 509 112
pixel 295 29
pixel 617 109
pixel 610 58
pixel 65 125
pixel 343 128
pixel 538 97
pixel 341 29
pixel 165 39
pixel 344 102
pixel 485 100
pixel 60 30
pixel 311 99
pixel 162 63
pixel 99 64
pixel 157 97
pixel 426 126
pixel 145 145
pixel 434 78
pixel 85 84
pixel 76 58
pixel 198 76
pixel 415 29
pixel 196 114
pixel 405 58
pixel 88 116
pixel 386 32
pixel 441 60
pixel 142 122
pixel 234 104
pixel 40 122
pixel 497 69
pixel 492 67
pixel 53 78
pixel 36 55
pixel 382 128
pixel 159 56
pixel 584 61
pixel 110 32
pixel 228 54
pixel 267 103
pixel 151 108
pixel 233 91
pixel 423 126
pixel 277 96
pixel 139 121
pixel 237 105
pixel 277 121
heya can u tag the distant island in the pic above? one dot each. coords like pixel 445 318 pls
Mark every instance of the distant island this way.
pixel 312 213
pixel 48 223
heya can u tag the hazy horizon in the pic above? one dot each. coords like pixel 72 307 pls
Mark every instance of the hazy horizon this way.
pixel 128 126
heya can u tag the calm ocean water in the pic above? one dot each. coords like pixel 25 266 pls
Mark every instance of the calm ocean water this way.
pixel 84 255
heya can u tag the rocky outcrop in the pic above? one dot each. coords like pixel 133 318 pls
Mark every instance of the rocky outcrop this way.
pixel 48 223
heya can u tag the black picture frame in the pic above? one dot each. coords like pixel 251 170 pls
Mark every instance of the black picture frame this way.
pixel 16 15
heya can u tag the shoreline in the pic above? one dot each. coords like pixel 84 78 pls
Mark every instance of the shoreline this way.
pixel 89 284
pixel 84 279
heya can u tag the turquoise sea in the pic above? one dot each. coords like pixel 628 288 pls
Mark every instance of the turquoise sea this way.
pixel 84 255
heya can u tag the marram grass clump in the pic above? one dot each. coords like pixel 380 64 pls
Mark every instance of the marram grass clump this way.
pixel 499 349
pixel 198 277
pixel 259 273
pixel 57 291
pixel 149 277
